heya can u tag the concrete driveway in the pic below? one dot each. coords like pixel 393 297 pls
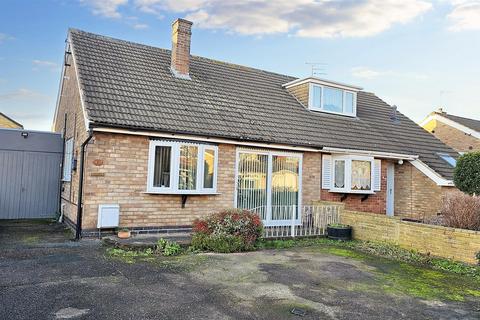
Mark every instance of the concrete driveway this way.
pixel 46 276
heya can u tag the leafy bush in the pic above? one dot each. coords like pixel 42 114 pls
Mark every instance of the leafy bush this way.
pixel 231 230
pixel 168 248
pixel 467 173
pixel 460 210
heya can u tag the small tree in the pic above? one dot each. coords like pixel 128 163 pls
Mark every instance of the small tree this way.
pixel 467 173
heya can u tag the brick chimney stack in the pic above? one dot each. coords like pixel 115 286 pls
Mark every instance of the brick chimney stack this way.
pixel 181 34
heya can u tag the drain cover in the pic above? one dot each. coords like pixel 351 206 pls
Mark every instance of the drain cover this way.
pixel 298 312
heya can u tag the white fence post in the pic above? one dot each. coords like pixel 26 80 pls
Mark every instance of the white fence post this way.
pixel 293 221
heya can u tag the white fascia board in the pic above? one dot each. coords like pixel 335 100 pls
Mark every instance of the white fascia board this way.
pixel 430 173
pixel 452 124
pixel 59 95
pixel 429 118
pixel 204 139
pixel 322 82
pixel 80 91
pixel 375 154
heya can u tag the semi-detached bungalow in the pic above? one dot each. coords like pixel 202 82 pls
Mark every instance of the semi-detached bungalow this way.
pixel 168 137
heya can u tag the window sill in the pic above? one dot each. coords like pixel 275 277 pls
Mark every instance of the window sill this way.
pixel 184 193
pixel 315 109
pixel 353 191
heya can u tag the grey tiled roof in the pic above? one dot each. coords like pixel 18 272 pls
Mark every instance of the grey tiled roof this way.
pixel 130 85
pixel 469 123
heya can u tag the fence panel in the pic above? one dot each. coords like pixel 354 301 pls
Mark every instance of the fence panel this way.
pixel 313 221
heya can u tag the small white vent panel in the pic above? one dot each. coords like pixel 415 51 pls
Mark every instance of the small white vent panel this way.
pixel 108 216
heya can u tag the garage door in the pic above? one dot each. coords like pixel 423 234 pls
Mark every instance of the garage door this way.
pixel 29 174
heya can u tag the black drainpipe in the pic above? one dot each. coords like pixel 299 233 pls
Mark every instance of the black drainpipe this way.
pixel 78 230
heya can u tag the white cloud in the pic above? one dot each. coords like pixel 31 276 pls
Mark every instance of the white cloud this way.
pixel 4 37
pixel 304 18
pixel 106 8
pixel 365 73
pixel 38 64
pixel 465 15
pixel 23 94
pixel 370 74
pixel 140 26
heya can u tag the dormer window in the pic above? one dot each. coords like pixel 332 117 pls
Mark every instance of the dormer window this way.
pixel 326 96
pixel 332 100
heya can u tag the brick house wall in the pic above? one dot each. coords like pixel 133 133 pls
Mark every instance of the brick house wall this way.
pixel 456 139
pixel 116 172
pixel 300 92
pixel 116 169
pixel 375 203
pixel 70 104
pixel 416 195
pixel 7 123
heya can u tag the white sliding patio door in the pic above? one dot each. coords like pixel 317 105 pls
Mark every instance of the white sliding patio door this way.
pixel 269 183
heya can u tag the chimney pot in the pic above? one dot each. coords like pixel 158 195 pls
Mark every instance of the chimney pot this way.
pixel 181 35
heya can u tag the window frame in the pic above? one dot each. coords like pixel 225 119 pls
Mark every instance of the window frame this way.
pixel 269 222
pixel 175 167
pixel 348 174
pixel 68 162
pixel 311 104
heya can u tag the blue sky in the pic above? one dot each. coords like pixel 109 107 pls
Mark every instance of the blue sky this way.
pixel 413 53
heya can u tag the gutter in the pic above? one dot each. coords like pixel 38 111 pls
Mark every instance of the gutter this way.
pixel 78 230
pixel 379 154
pixel 213 139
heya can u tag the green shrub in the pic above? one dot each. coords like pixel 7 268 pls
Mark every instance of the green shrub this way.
pixel 218 243
pixel 231 230
pixel 168 248
pixel 467 173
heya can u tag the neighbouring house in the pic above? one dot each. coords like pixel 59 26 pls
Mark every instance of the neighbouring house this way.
pixel 167 137
pixel 9 123
pixel 461 134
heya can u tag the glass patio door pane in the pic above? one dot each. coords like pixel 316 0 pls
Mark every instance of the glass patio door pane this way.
pixel 252 183
pixel 285 187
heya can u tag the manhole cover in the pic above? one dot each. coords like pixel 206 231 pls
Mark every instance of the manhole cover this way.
pixel 298 312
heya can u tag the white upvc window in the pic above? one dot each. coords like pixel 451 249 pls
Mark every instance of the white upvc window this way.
pixel 332 100
pixel 68 160
pixel 351 174
pixel 182 168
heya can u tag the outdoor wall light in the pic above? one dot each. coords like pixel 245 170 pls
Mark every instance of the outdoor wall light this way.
pixel 25 134
pixel 400 161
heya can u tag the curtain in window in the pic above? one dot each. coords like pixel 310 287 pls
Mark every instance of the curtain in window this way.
pixel 208 167
pixel 188 167
pixel 161 172
pixel 339 174
pixel 332 99
pixel 252 183
pixel 285 188
pixel 361 175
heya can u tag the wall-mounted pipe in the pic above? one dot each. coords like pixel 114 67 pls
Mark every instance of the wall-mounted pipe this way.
pixel 78 231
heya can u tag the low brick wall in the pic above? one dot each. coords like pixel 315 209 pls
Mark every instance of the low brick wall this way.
pixel 457 244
